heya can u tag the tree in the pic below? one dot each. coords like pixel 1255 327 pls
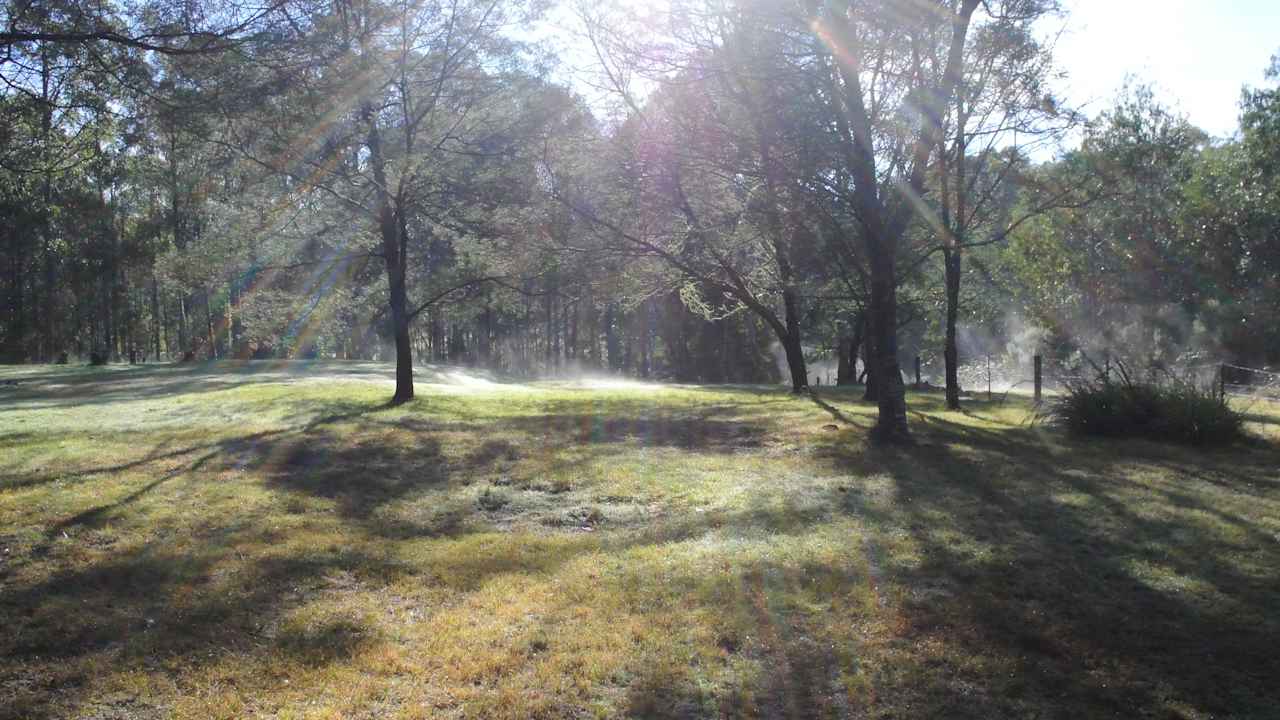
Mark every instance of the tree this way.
pixel 1003 111
pixel 700 172
pixel 889 72
pixel 430 99
pixel 158 27
pixel 1116 268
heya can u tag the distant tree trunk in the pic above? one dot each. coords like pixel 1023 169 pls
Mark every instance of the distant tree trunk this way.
pixel 592 331
pixel 48 349
pixel 849 344
pixel 645 311
pixel 869 393
pixel 570 331
pixel 435 338
pixel 548 302
pixel 208 324
pixel 155 316
pixel 628 323
pixel 486 330
pixel 843 347
pixel 611 344
pixel 108 340
pixel 233 322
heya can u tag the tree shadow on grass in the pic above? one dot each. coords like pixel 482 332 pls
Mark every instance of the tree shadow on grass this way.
pixel 836 413
pixel 696 431
pixel 1037 559
pixel 358 477
pixel 1026 577
pixel 81 387
pixel 149 606
pixel 191 457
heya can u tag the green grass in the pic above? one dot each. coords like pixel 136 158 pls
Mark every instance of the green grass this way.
pixel 272 541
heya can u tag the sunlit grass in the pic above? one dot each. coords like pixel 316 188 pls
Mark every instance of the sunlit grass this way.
pixel 274 541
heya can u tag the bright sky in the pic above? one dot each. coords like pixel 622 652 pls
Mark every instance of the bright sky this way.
pixel 1197 54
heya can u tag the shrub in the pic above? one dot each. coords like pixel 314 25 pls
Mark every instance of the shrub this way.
pixel 1175 410
pixel 493 500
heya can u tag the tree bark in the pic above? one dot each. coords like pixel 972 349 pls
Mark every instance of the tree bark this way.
pixel 791 344
pixel 393 246
pixel 951 261
pixel 612 347
pixel 848 375
pixel 48 346
pixel 891 393
pixel 868 372
pixel 843 348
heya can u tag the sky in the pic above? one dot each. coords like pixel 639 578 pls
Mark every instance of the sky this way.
pixel 1196 54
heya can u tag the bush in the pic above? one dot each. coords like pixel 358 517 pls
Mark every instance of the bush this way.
pixel 493 500
pixel 1175 411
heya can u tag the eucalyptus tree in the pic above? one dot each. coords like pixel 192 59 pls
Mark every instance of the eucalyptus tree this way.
pixel 417 118
pixel 1118 267
pixel 1003 112
pixel 889 69
pixel 1176 254
pixel 714 117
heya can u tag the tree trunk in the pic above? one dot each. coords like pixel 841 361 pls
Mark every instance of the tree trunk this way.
pixel 208 325
pixel 612 347
pixel 868 371
pixel 393 247
pixel 843 347
pixel 645 310
pixel 891 393
pixel 48 346
pixel 848 375
pixel 486 333
pixel 951 259
pixel 795 363
pixel 400 323
pixel 155 316
pixel 791 344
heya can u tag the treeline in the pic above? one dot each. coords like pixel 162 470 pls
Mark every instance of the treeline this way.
pixel 752 186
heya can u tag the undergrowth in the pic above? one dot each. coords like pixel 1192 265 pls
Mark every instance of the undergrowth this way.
pixel 1172 409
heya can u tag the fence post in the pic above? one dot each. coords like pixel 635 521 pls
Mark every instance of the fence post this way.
pixel 918 385
pixel 1222 382
pixel 1038 377
pixel 988 378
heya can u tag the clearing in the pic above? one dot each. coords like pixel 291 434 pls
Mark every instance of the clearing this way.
pixel 270 540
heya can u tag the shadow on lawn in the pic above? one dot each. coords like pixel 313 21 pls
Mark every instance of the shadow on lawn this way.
pixel 1051 598
pixel 183 602
pixel 1013 569
pixel 78 387
pixel 144 382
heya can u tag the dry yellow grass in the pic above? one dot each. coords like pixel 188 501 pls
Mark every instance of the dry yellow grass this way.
pixel 267 541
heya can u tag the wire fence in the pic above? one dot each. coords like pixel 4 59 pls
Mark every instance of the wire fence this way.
pixel 1009 376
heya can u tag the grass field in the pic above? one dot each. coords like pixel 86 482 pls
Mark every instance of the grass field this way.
pixel 272 541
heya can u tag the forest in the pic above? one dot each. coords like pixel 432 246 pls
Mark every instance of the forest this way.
pixel 738 197
pixel 623 358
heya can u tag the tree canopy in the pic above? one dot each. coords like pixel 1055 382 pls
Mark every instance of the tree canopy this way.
pixel 756 191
